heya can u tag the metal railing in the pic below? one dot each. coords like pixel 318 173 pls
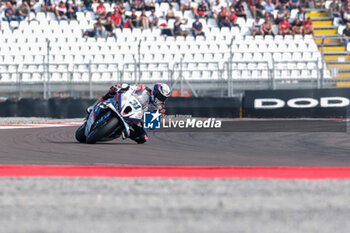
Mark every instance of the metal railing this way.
pixel 335 71
pixel 228 76
pixel 195 76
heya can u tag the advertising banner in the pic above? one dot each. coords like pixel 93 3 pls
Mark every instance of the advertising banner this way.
pixel 309 103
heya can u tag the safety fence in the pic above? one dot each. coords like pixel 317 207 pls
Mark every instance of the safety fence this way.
pixel 85 79
pixel 292 103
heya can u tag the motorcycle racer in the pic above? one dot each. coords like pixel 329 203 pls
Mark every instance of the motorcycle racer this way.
pixel 150 99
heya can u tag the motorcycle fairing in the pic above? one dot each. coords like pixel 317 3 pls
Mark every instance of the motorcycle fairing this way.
pixel 109 103
pixel 125 105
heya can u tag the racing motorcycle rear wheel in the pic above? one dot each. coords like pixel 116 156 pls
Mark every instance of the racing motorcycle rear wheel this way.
pixel 103 130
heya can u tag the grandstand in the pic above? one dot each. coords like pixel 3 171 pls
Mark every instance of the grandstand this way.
pixel 44 53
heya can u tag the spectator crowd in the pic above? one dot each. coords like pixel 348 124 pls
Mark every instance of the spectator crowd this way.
pixel 143 15
pixel 300 24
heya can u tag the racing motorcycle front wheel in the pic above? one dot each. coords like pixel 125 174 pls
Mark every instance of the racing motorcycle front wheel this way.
pixel 80 134
pixel 102 130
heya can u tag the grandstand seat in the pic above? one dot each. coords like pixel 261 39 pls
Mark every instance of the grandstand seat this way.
pixel 50 16
pixel 211 23
pixel 286 56
pixel 272 47
pixel 247 57
pixel 282 47
pixel 163 7
pixel 7 78
pixel 314 74
pixel 312 47
pixel 18 59
pixel 252 66
pixel 39 59
pixel 208 57
pixel 277 56
pixel 215 31
pixel 292 65
pixel 262 47
pixel 68 46
pixel 257 57
pixel 242 48
pixel 8 59
pixel 292 46
pixel 304 74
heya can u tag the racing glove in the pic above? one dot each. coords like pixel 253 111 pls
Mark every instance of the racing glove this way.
pixel 110 94
pixel 161 109
pixel 113 90
pixel 119 87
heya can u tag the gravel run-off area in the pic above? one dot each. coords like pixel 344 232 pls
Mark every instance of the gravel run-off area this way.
pixel 33 120
pixel 173 205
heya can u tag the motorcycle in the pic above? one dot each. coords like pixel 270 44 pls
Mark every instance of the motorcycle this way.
pixel 110 119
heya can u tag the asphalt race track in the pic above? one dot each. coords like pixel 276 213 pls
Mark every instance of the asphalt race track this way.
pixel 253 143
pixel 104 204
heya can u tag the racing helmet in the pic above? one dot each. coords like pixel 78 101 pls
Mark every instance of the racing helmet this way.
pixel 160 93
